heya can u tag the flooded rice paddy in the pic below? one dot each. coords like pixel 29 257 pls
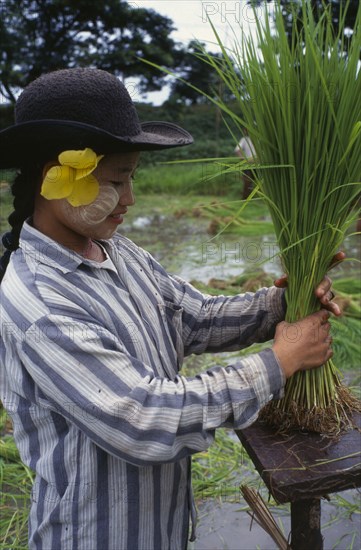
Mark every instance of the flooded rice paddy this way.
pixel 184 247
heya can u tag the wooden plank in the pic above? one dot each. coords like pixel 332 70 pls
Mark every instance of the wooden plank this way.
pixel 304 465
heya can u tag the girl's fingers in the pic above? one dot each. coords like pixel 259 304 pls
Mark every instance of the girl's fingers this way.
pixel 339 257
pixel 323 288
pixel 333 308
pixel 281 282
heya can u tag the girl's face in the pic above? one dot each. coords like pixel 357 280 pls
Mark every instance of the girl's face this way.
pixel 99 219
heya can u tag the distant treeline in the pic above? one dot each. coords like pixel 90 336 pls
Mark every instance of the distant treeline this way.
pixel 211 136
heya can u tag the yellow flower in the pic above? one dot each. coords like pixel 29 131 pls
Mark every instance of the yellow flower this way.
pixel 72 180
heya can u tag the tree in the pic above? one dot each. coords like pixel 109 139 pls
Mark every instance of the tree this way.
pixel 192 69
pixel 37 36
pixel 290 7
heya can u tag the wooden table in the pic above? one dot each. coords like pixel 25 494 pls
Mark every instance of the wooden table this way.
pixel 301 468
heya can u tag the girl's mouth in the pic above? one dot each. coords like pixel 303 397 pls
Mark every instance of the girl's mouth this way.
pixel 117 217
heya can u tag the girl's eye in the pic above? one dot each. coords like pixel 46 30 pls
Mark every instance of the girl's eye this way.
pixel 117 183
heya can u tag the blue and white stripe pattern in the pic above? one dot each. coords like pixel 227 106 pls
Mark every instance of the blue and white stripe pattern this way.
pixel 90 375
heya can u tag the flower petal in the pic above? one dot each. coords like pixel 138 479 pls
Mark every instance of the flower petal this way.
pixel 83 172
pixel 58 182
pixel 83 158
pixel 84 192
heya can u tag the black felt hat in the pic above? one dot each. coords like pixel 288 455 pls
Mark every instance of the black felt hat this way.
pixel 78 108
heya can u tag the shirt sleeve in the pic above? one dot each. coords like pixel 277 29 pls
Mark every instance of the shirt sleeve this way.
pixel 84 373
pixel 222 323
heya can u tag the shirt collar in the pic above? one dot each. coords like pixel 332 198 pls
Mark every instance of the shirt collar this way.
pixel 46 251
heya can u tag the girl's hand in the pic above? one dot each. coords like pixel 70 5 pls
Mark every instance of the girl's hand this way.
pixel 304 344
pixel 323 290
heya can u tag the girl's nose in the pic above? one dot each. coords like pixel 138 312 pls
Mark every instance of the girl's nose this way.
pixel 126 198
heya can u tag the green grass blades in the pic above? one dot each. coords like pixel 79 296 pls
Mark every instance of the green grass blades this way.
pixel 15 482
pixel 301 104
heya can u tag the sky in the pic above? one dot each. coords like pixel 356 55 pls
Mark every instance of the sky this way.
pixel 190 17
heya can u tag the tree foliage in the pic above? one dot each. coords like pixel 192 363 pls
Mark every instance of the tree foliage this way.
pixel 192 69
pixel 290 8
pixel 37 36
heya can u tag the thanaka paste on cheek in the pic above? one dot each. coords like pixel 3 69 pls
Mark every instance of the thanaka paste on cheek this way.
pixel 97 211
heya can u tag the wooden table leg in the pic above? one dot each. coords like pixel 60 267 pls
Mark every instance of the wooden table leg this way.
pixel 306 525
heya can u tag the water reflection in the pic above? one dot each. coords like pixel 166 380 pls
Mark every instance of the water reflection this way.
pixel 184 248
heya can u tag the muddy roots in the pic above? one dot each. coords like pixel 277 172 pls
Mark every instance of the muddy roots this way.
pixel 330 421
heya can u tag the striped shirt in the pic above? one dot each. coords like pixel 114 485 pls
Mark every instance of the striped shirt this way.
pixel 90 361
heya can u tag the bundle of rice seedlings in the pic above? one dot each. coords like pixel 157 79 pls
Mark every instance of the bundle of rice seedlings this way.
pixel 301 104
pixel 264 517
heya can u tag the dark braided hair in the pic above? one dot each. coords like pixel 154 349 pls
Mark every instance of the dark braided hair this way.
pixel 24 191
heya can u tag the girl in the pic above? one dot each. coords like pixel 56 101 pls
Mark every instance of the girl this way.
pixel 94 330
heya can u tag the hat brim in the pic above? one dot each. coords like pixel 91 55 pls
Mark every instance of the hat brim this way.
pixel 28 141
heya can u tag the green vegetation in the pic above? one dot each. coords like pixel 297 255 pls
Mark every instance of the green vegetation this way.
pixel 185 179
pixel 15 485
pixel 303 119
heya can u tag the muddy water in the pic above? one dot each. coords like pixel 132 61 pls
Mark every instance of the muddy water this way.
pixel 184 247
pixel 227 526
